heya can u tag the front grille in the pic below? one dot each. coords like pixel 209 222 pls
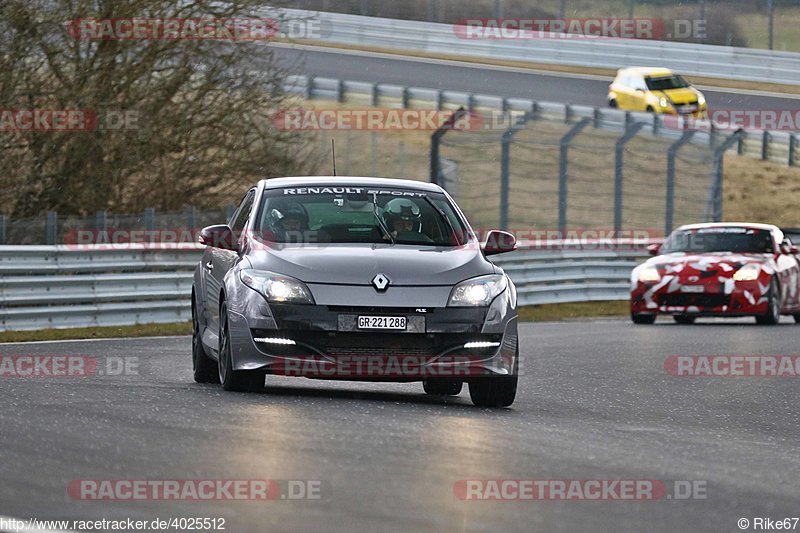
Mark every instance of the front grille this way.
pixel 695 300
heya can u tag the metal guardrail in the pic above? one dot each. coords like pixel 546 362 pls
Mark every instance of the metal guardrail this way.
pixel 695 59
pixel 58 287
pixel 778 146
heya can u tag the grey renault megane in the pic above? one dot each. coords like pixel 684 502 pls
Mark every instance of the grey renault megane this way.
pixel 355 279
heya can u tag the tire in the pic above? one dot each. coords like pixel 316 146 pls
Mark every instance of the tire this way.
pixel 234 380
pixel 797 318
pixel 773 314
pixel 612 104
pixel 204 368
pixel 643 319
pixel 495 391
pixel 650 109
pixel 442 387
pixel 684 319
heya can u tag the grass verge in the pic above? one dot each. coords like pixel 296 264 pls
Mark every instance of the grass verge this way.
pixel 571 311
pixel 141 330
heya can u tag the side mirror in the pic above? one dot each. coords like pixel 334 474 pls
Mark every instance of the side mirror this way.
pixel 790 249
pixel 499 242
pixel 653 249
pixel 220 236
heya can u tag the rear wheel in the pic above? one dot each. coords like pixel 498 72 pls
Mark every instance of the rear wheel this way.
pixel 643 319
pixel 650 109
pixel 612 103
pixel 442 387
pixel 684 319
pixel 205 369
pixel 495 391
pixel 773 314
pixel 234 380
pixel 797 318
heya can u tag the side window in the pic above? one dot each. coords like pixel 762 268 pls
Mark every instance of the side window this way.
pixel 243 213
pixel 637 82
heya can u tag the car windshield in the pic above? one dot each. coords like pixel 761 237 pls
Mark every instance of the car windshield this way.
pixel 664 83
pixel 352 215
pixel 739 240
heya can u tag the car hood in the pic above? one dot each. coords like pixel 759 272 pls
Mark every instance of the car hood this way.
pixel 359 264
pixel 708 264
pixel 682 96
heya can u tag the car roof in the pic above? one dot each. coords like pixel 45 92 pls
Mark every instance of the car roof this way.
pixel 319 181
pixel 647 71
pixel 751 225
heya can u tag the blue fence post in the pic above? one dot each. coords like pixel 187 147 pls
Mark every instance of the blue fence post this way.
pixel 2 228
pixel 792 147
pixel 150 219
pixel 618 175
pixel 765 139
pixel 672 153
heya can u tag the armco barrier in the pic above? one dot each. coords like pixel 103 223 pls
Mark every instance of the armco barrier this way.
pixel 58 287
pixel 696 59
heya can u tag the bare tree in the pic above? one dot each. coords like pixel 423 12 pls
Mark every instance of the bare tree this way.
pixel 202 110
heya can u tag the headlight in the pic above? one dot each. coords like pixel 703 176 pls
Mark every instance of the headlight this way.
pixel 748 272
pixel 477 292
pixel 276 288
pixel 649 274
pixel 701 100
pixel 663 102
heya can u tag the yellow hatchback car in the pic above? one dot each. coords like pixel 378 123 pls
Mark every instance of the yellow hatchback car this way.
pixel 656 90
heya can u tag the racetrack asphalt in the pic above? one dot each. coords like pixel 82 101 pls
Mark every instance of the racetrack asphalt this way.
pixel 594 402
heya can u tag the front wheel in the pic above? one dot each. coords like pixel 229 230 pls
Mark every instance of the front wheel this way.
pixel 234 380
pixel 643 319
pixel 495 391
pixel 204 368
pixel 773 314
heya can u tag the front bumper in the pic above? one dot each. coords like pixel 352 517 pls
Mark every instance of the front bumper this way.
pixel 323 341
pixel 729 298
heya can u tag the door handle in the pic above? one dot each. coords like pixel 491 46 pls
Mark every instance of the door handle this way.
pixel 210 265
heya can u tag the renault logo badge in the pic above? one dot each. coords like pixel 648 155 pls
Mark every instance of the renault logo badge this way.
pixel 381 282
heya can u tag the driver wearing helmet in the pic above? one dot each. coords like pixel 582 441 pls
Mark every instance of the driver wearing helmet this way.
pixel 287 220
pixel 404 220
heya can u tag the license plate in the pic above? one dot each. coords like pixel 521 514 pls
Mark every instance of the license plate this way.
pixel 693 288
pixel 687 108
pixel 382 322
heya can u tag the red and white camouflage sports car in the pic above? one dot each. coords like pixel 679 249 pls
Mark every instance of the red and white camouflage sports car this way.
pixel 720 269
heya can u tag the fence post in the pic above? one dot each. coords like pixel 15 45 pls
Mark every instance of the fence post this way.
pixel 765 138
pixel 406 97
pixel 310 88
pixel 562 172
pixel 375 95
pixel 51 227
pixel 618 163
pixel 656 124
pixel 2 228
pixel 792 146
pixel 672 152
pixel 505 167
pixel 714 203
pixel 191 217
pixel 436 140
pixel 340 88
pixel 150 219
pixel 597 118
pixel 470 101
pixel 740 146
pixel 439 100
pixel 567 113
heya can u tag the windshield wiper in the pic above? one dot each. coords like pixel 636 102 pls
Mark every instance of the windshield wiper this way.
pixel 381 224
pixel 446 219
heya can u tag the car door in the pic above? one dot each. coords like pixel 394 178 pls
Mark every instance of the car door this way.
pixel 623 90
pixel 217 262
pixel 638 94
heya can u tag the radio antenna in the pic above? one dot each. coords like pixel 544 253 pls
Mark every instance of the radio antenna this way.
pixel 333 153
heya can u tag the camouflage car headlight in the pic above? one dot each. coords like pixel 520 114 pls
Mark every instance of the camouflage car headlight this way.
pixel 276 287
pixel 749 272
pixel 477 292
pixel 649 275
